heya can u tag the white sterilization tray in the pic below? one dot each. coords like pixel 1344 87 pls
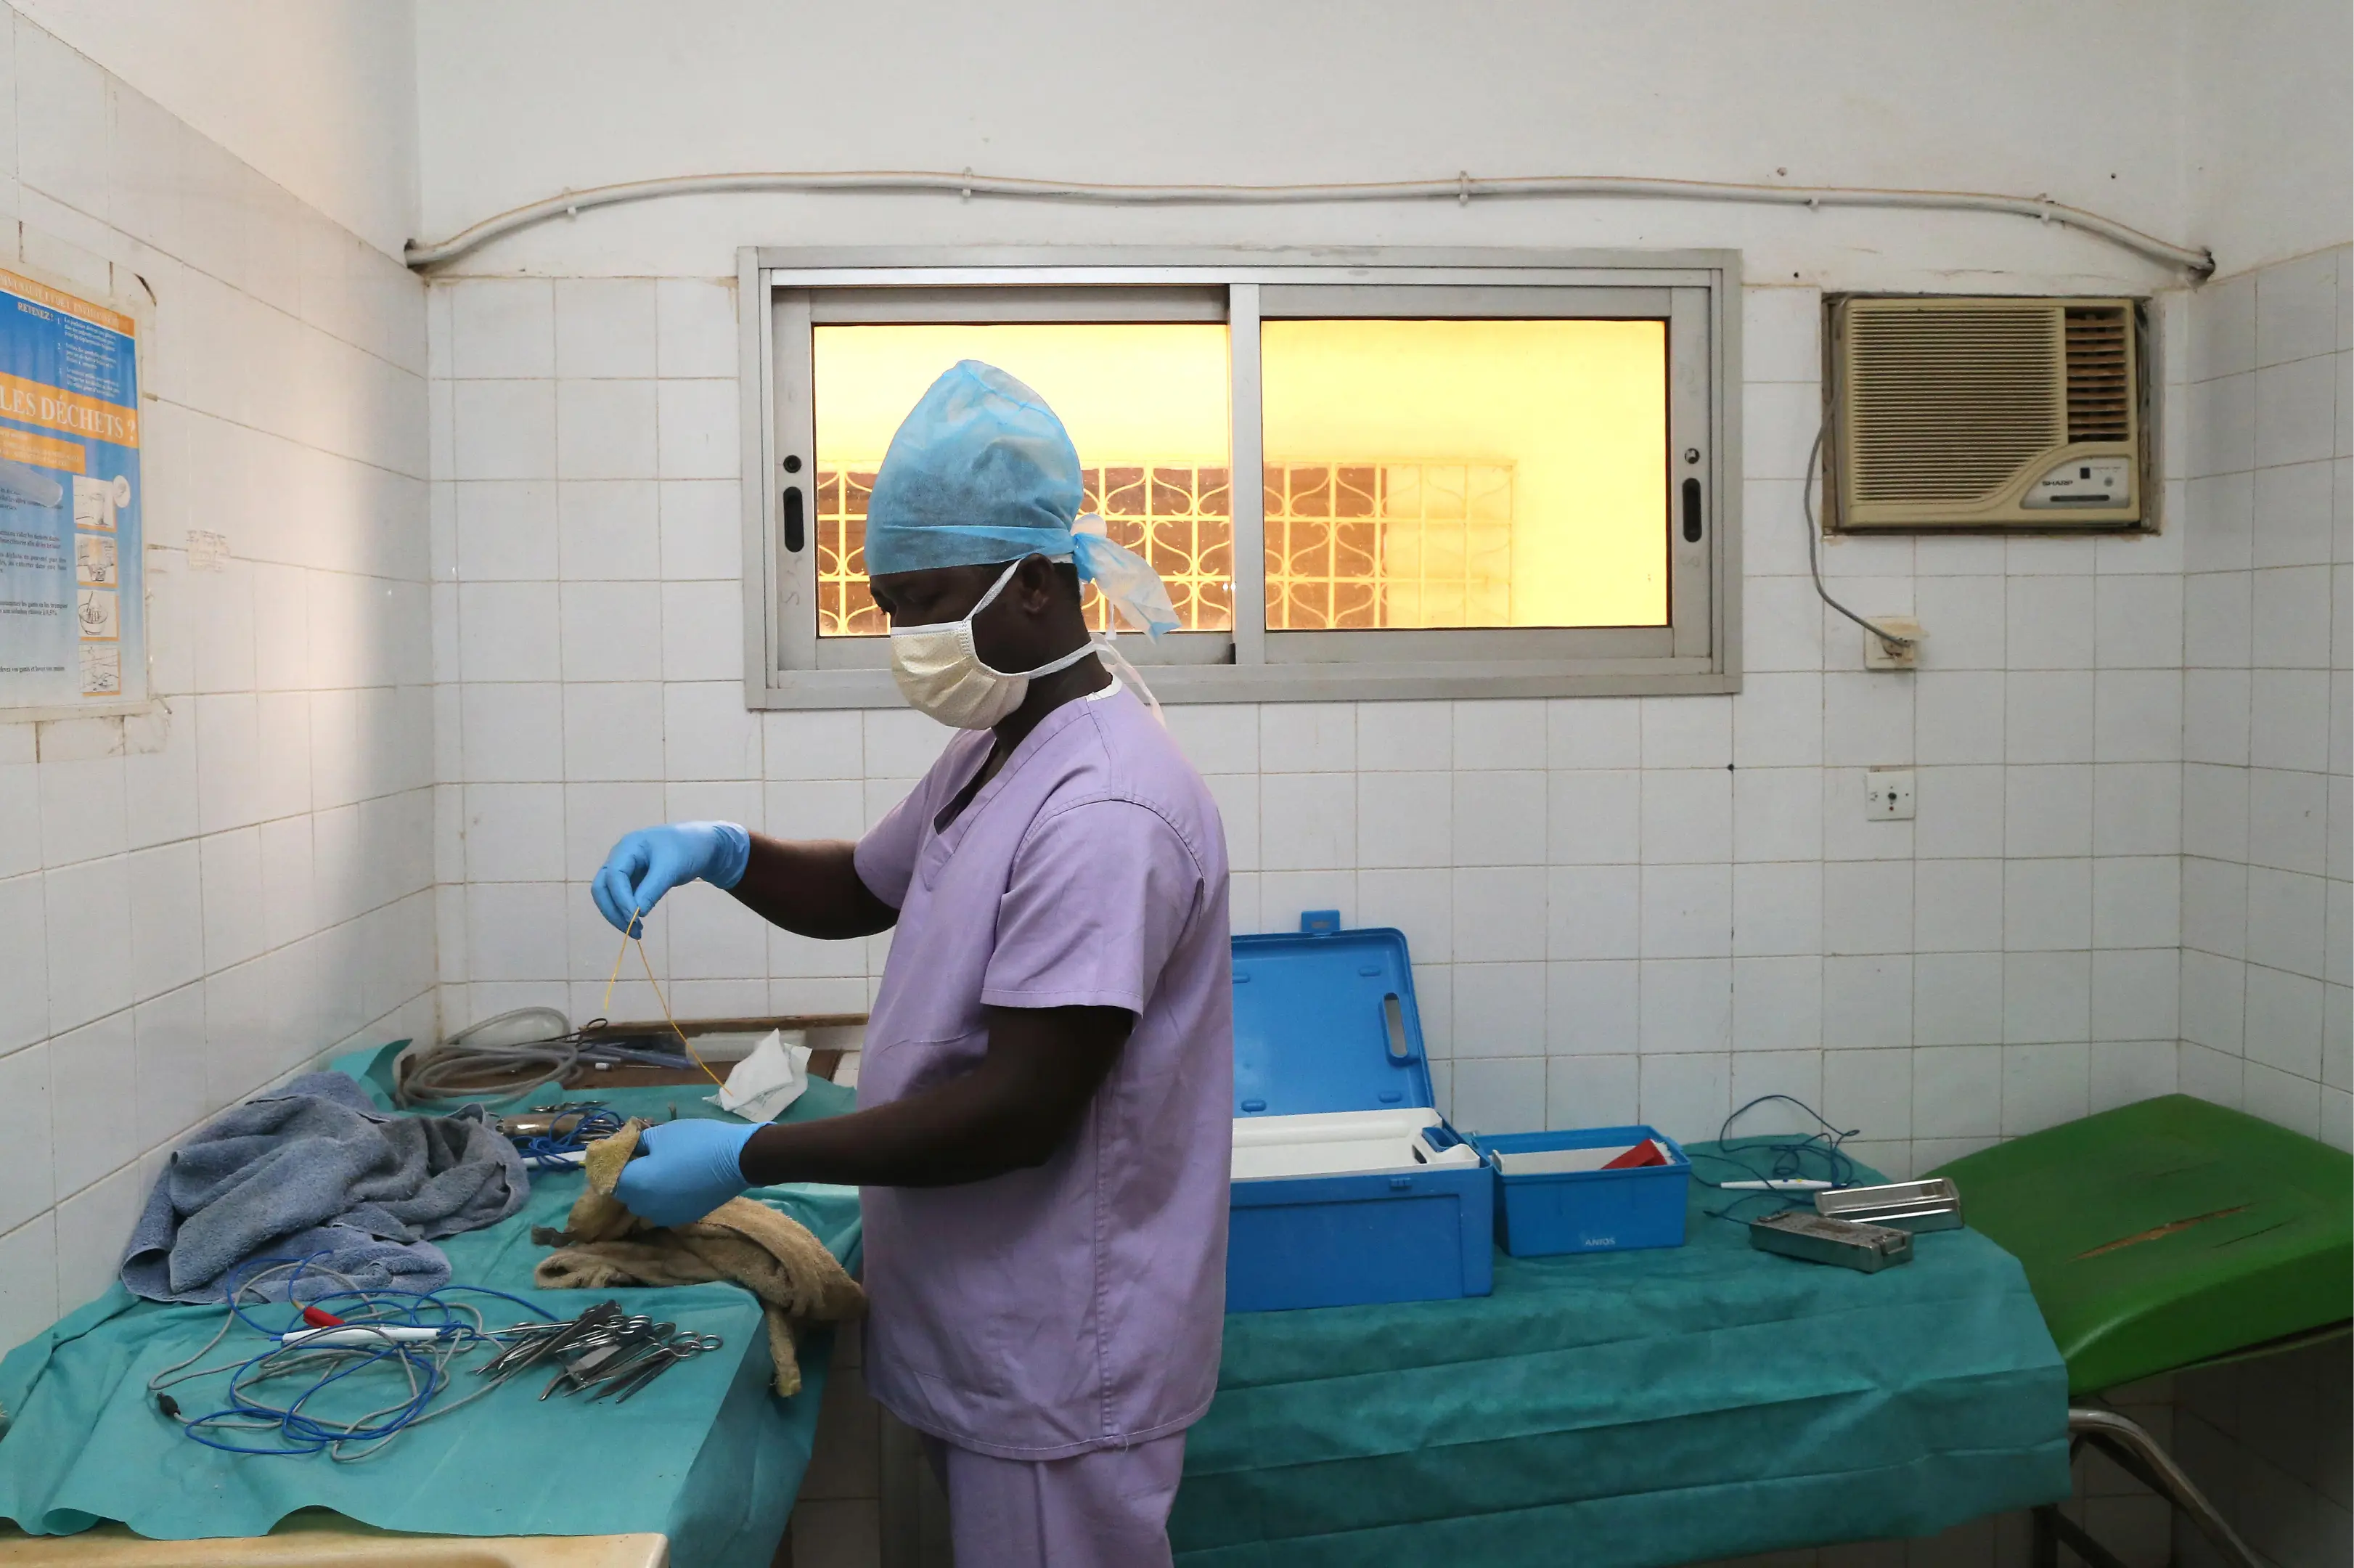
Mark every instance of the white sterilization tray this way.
pixel 1342 1143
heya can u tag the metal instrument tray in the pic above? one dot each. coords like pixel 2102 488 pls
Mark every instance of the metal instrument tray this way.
pixel 1796 1233
pixel 1932 1205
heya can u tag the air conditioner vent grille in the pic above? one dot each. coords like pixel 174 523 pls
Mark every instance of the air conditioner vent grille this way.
pixel 2100 387
pixel 1947 406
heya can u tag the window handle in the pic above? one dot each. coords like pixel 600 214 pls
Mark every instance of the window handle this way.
pixel 795 534
pixel 1691 512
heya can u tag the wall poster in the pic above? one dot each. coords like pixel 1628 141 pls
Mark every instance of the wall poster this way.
pixel 72 611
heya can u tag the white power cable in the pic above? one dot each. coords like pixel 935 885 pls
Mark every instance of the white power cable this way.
pixel 1889 640
pixel 966 184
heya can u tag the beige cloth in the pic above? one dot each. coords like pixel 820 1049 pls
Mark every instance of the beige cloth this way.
pixel 775 1258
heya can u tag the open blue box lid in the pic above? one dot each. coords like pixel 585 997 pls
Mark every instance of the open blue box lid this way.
pixel 1325 1021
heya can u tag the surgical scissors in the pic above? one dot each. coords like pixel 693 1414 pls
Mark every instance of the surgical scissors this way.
pixel 536 1341
pixel 591 1351
pixel 604 1348
pixel 659 1358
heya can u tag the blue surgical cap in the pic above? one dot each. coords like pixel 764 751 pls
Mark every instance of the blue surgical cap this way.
pixel 983 471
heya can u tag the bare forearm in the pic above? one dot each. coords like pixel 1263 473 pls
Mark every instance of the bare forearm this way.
pixel 811 888
pixel 1015 1108
pixel 937 1138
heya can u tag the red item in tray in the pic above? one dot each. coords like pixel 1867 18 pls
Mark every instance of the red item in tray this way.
pixel 1644 1154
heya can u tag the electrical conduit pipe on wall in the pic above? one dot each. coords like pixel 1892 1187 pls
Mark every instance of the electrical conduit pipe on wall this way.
pixel 2198 263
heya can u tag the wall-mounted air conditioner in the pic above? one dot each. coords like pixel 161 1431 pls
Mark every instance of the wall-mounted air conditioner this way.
pixel 2022 415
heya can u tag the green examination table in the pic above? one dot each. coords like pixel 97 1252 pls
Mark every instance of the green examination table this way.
pixel 2163 1236
pixel 708 1461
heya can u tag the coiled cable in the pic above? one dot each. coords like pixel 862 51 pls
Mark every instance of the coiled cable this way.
pixel 554 1151
pixel 515 1050
pixel 1792 1157
pixel 301 1426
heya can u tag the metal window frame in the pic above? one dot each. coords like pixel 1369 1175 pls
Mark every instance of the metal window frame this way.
pixel 782 292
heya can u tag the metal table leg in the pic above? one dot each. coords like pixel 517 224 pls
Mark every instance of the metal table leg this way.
pixel 2138 1454
pixel 2054 1530
pixel 2043 1551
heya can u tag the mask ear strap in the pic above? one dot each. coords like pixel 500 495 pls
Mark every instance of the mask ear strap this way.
pixel 994 588
pixel 1125 673
pixel 1065 663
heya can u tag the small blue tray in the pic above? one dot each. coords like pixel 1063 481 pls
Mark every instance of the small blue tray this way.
pixel 1546 1215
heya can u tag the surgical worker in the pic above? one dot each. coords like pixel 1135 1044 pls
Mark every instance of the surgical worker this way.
pixel 1046 1081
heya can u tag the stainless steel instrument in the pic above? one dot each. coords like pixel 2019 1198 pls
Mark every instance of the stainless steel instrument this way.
pixel 1932 1205
pixel 1796 1233
pixel 603 1348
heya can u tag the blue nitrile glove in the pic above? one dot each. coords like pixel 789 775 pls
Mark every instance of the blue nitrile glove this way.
pixel 683 1170
pixel 651 861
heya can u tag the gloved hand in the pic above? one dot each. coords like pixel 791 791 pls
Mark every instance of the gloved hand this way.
pixel 651 861
pixel 684 1170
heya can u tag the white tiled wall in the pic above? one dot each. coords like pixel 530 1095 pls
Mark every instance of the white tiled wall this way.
pixel 1659 908
pixel 194 903
pixel 2268 831
pixel 2268 807
pixel 587 623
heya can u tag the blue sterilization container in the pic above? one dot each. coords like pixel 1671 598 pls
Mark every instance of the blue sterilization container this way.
pixel 1544 1214
pixel 1349 1188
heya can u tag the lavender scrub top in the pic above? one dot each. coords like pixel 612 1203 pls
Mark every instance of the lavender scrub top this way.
pixel 1076 1306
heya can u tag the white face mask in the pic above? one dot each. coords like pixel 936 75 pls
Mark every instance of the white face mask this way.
pixel 941 676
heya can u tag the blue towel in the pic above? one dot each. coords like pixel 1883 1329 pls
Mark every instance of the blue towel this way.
pixel 316 1169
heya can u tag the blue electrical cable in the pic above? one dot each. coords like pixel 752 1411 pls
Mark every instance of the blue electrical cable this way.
pixel 592 1122
pixel 426 1365
pixel 309 1437
pixel 486 1290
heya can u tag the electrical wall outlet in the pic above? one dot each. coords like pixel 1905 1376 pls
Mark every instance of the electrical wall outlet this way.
pixel 1880 654
pixel 1888 794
